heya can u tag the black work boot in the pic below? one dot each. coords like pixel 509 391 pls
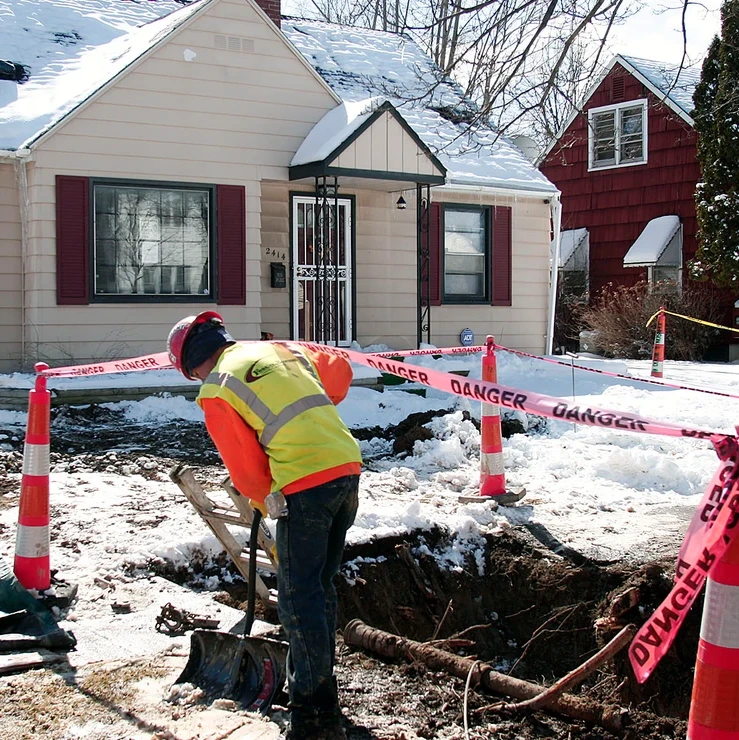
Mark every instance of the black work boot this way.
pixel 324 726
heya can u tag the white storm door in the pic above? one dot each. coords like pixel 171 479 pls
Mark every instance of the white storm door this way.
pixel 322 270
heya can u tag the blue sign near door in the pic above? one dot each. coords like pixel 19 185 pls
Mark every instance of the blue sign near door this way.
pixel 467 337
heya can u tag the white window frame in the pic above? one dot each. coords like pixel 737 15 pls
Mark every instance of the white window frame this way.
pixel 642 102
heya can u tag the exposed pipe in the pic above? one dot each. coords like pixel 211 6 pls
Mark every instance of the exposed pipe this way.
pixel 555 207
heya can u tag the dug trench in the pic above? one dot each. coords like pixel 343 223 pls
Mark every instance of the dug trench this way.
pixel 531 609
pixel 529 613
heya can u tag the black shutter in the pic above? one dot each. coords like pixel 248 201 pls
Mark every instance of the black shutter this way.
pixel 231 266
pixel 501 257
pixel 72 241
pixel 435 243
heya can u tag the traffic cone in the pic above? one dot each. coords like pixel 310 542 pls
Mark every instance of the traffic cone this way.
pixel 714 706
pixel 492 466
pixel 31 566
pixel 658 353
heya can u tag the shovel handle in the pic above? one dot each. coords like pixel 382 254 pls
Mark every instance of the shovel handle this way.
pixel 251 585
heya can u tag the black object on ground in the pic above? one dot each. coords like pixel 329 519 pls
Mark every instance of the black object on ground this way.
pixel 248 670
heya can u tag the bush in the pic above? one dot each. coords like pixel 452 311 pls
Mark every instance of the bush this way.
pixel 620 314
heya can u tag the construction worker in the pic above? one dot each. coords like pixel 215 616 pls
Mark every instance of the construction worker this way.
pixel 269 408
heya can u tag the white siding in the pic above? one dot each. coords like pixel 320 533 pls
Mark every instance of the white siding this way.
pixel 386 147
pixel 11 314
pixel 523 324
pixel 226 117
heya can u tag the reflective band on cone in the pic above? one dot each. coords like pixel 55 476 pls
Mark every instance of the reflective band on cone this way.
pixel 714 707
pixel 492 468
pixel 658 353
pixel 31 565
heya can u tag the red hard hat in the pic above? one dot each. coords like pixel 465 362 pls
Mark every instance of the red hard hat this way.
pixel 179 334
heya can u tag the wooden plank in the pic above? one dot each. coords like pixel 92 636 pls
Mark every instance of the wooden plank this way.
pixel 25 661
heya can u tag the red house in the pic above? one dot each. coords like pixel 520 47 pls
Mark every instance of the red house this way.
pixel 626 167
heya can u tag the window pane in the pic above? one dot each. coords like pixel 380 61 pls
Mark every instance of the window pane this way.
pixel 469 264
pixel 152 241
pixel 632 136
pixel 666 273
pixel 604 138
pixel 465 243
pixel 465 285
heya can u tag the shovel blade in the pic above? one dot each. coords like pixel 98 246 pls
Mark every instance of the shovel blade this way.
pixel 247 670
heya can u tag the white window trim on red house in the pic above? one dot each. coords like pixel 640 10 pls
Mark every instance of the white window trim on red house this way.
pixel 592 112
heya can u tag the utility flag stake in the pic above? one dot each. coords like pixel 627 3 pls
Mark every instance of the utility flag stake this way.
pixel 31 565
pixel 714 707
pixel 658 353
pixel 492 465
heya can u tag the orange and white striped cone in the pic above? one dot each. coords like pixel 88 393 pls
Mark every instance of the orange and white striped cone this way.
pixel 492 466
pixel 714 707
pixel 31 566
pixel 658 353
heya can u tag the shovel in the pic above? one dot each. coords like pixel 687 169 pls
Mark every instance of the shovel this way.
pixel 247 670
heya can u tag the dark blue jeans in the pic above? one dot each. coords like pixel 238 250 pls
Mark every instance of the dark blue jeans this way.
pixel 310 544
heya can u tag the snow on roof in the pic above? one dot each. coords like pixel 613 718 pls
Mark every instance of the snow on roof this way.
pixel 570 240
pixel 662 76
pixel 359 63
pixel 650 246
pixel 72 48
pixel 333 129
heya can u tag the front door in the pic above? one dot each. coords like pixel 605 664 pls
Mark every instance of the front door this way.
pixel 322 270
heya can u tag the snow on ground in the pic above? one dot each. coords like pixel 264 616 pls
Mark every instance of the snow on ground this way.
pixel 605 493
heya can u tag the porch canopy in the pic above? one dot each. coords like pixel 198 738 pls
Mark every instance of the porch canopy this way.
pixel 369 145
pixel 660 243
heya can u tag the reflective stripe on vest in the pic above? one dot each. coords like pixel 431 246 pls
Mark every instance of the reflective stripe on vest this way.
pixel 304 361
pixel 277 391
pixel 272 422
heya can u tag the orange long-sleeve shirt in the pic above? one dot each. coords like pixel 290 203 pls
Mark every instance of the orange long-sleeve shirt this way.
pixel 239 447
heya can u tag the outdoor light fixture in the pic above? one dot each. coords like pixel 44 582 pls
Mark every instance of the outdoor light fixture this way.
pixel 400 203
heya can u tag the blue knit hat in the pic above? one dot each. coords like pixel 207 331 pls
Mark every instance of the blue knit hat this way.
pixel 202 343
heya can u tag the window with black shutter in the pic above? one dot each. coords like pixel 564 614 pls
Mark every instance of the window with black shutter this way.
pixel 131 241
pixel 466 254
pixel 470 254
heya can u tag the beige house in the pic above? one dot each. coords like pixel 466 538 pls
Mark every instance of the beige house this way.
pixel 208 159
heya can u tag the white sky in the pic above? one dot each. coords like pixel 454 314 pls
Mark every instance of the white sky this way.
pixel 655 31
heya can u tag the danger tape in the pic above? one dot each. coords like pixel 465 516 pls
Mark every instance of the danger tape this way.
pixel 705 547
pixel 476 390
pixel 434 351
pixel 158 361
pixel 711 532
pixel 691 318
pixel 610 374
pixel 532 403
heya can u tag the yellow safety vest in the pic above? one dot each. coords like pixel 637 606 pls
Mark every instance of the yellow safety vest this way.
pixel 277 391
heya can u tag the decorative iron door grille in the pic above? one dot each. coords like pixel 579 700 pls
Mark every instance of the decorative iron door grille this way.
pixel 322 270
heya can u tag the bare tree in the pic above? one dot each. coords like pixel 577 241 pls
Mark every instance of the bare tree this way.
pixel 524 64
